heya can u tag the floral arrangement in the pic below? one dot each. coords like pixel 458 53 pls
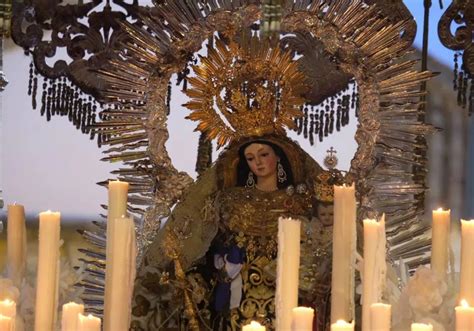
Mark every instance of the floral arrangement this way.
pixel 426 298
pixel 24 296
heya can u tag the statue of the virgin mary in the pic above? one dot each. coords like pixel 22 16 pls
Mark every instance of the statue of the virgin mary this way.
pixel 213 264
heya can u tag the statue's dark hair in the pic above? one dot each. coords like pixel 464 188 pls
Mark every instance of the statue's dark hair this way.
pixel 243 167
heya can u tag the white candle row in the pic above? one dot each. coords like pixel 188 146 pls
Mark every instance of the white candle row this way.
pixel 439 263
pixel 301 320
pixel 49 257
pixel 344 326
pixel 73 319
pixel 119 230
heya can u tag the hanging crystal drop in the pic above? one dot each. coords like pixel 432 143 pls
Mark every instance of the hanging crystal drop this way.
pixel 75 107
pixel 94 108
pixel 30 79
pixel 35 90
pixel 346 111
pixel 316 123
pixel 460 86
pixel 455 71
pixel 79 113
pixel 69 100
pixel 300 122
pixel 311 129
pixel 305 125
pixel 321 125
pixel 69 105
pixel 326 123
pixel 43 99
pixel 48 101
pixel 331 122
pixel 168 99
pixel 53 96
pixel 338 115
pixel 64 93
pixel 58 96
pixel 99 139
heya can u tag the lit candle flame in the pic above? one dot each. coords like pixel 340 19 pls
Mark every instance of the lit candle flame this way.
pixel 341 322
pixel 464 303
pixel 7 301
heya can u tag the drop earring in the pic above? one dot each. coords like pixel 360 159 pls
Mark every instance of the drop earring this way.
pixel 250 180
pixel 281 173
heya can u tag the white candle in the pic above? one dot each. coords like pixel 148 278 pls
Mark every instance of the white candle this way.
pixel 341 325
pixel 343 257
pixel 374 263
pixel 288 263
pixel 48 271
pixel 118 192
pixel 16 243
pixel 440 241
pixel 302 319
pixel 464 317
pixel 6 323
pixel 380 315
pixel 70 318
pixel 89 323
pixel 117 207
pixel 421 327
pixel 121 275
pixel 8 309
pixel 253 326
pixel 466 288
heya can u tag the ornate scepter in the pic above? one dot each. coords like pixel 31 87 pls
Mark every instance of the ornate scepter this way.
pixel 172 242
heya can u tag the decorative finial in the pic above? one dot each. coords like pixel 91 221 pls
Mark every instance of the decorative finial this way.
pixel 331 160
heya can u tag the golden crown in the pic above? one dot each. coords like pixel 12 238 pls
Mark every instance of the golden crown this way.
pixel 246 89
pixel 324 185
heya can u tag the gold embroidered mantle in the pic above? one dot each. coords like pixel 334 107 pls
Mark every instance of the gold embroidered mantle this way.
pixel 213 207
pixel 249 219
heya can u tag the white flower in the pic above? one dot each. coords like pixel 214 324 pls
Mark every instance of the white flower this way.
pixel 426 290
pixel 68 277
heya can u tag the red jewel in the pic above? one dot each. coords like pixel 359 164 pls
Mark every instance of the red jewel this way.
pixel 288 203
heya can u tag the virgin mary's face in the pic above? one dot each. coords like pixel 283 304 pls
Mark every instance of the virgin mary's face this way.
pixel 262 160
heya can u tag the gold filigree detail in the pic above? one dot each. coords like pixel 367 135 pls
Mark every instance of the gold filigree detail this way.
pixel 324 185
pixel 246 89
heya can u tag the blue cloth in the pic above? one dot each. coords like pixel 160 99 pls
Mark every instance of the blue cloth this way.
pixel 235 255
